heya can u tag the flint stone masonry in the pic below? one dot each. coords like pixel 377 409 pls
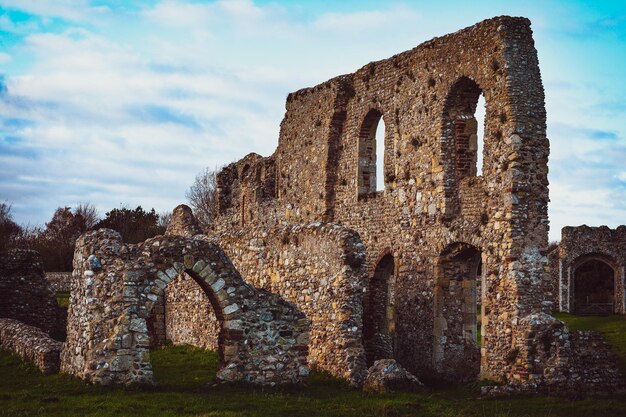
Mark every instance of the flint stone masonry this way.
pixel 32 344
pixel 26 295
pixel 546 357
pixel 433 199
pixel 184 314
pixel 579 246
pixel 318 267
pixel 262 338
pixel 59 281
pixel 386 376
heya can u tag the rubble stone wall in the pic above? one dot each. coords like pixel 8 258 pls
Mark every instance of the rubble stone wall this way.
pixel 26 295
pixel 433 197
pixel 547 357
pixel 318 267
pixel 581 244
pixel 32 344
pixel 263 339
pixel 59 281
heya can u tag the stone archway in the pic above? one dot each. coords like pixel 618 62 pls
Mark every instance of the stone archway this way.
pixel 114 290
pixel 593 289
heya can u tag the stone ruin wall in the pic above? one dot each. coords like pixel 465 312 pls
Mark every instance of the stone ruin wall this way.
pixel 582 243
pixel 318 267
pixel 26 295
pixel 263 339
pixel 426 97
pixel 59 281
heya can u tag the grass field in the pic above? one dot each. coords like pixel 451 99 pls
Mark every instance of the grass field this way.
pixel 186 376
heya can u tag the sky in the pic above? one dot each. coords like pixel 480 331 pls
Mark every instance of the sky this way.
pixel 120 102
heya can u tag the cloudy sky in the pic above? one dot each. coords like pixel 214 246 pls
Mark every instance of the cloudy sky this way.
pixel 124 102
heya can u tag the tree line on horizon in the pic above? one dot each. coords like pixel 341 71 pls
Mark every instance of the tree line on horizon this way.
pixel 55 241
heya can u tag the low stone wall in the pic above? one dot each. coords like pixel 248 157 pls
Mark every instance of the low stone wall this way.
pixel 32 344
pixel 59 281
pixel 546 357
pixel 26 295
pixel 318 267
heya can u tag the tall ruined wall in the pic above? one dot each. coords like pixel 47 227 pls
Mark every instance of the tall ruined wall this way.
pixel 584 243
pixel 26 295
pixel 433 196
pixel 318 268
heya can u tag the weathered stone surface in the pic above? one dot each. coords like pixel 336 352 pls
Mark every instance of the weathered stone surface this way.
pixel 386 376
pixel 26 295
pixel 546 357
pixel 589 246
pixel 183 223
pixel 108 336
pixel 59 281
pixel 435 215
pixel 32 344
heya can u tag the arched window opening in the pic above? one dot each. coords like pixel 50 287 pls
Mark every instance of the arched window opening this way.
pixel 464 127
pixel 371 154
pixel 379 312
pixel 379 138
pixel 480 133
pixel 594 288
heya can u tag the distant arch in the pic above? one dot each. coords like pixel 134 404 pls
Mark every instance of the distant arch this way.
pixel 594 279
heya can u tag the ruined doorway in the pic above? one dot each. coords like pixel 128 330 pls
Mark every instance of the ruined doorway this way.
pixel 456 350
pixel 379 312
pixel 183 315
pixel 594 288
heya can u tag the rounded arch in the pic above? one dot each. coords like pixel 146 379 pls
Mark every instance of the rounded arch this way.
pixel 593 284
pixel 368 147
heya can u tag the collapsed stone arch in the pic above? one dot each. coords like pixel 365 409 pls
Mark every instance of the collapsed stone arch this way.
pixel 114 289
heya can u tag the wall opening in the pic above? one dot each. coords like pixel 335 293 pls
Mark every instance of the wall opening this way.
pixel 594 288
pixel 456 350
pixel 480 133
pixel 187 312
pixel 183 315
pixel 368 149
pixel 380 155
pixel 464 128
pixel 379 312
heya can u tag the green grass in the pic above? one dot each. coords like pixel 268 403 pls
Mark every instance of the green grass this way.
pixel 63 299
pixel 613 328
pixel 187 388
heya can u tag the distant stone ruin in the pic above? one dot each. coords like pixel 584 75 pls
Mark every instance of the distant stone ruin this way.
pixel 588 270
pixel 26 295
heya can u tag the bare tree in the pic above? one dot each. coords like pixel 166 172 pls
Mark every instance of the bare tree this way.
pixel 163 221
pixel 89 213
pixel 202 195
pixel 9 230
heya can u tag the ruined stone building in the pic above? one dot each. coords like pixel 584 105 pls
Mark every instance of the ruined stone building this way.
pixel 317 260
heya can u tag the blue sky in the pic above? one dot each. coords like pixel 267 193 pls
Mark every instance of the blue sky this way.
pixel 121 102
